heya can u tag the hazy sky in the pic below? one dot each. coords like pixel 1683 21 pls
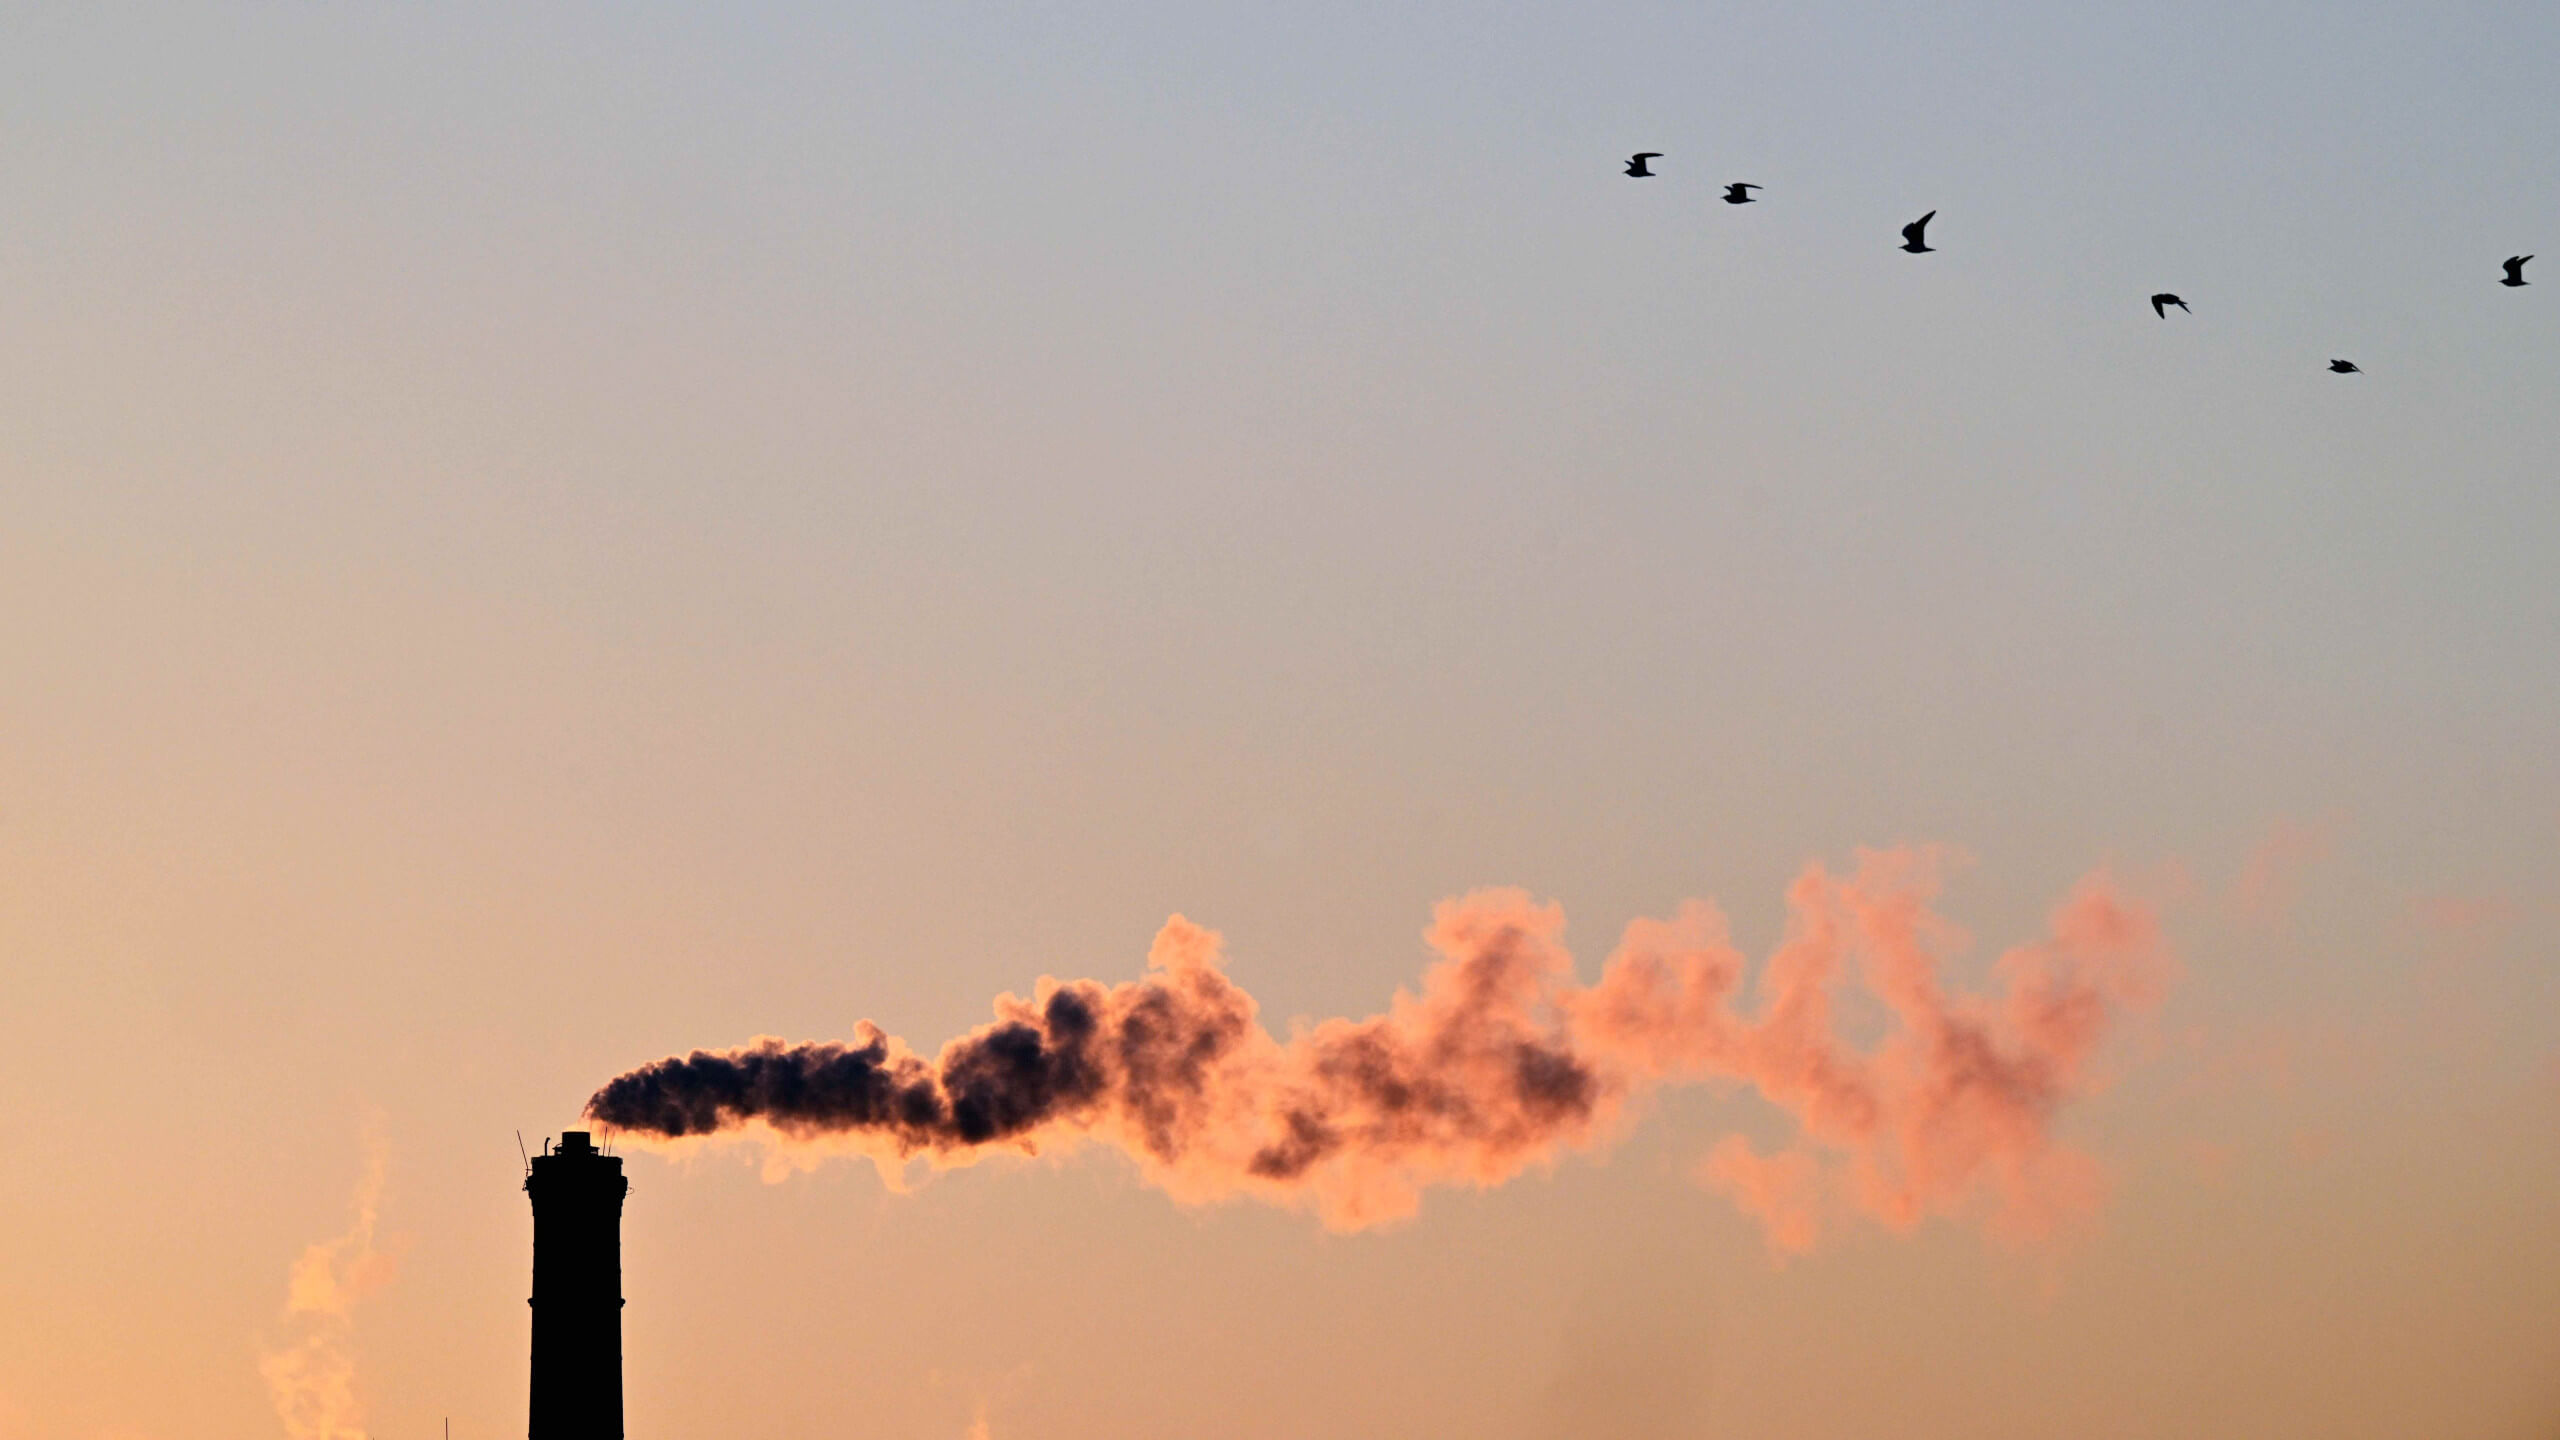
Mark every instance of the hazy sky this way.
pixel 532 538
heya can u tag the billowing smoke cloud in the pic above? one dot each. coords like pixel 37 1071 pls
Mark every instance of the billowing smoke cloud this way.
pixel 1501 1061
pixel 311 1379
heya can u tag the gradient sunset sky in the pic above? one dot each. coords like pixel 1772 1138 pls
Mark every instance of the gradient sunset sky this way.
pixel 535 538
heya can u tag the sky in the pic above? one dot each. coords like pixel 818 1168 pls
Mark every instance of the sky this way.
pixel 536 539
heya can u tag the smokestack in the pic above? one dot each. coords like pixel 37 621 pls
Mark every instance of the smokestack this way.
pixel 577 1291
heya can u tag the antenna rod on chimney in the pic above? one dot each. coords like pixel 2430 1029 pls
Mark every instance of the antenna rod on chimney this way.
pixel 528 1170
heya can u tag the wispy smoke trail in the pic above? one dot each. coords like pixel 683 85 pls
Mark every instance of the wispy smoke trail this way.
pixel 1501 1061
pixel 1781 1191
pixel 2270 880
pixel 311 1380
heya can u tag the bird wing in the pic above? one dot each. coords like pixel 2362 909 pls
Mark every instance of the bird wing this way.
pixel 2160 306
pixel 1913 230
pixel 1648 155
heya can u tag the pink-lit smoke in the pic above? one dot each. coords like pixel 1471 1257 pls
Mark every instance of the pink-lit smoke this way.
pixel 311 1379
pixel 2270 880
pixel 1501 1061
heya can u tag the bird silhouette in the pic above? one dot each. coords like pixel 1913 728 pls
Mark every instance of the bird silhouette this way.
pixel 1914 234
pixel 1738 194
pixel 2161 302
pixel 2344 367
pixel 2515 271
pixel 1636 165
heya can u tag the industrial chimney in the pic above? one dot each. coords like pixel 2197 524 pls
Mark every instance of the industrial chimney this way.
pixel 577 1291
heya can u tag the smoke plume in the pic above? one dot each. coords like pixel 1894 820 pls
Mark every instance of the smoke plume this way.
pixel 1501 1060
pixel 311 1379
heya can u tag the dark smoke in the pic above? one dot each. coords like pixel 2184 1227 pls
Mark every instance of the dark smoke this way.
pixel 1500 1061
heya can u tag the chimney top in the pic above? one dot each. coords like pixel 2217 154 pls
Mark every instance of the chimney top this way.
pixel 575 1142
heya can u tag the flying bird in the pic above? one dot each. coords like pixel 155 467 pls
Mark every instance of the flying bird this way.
pixel 1738 194
pixel 1914 235
pixel 2515 270
pixel 2343 367
pixel 2161 302
pixel 1636 165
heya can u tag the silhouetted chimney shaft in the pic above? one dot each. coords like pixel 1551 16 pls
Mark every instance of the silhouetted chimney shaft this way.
pixel 577 1292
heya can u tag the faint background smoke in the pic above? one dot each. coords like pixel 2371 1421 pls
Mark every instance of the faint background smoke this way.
pixel 2270 880
pixel 311 1375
